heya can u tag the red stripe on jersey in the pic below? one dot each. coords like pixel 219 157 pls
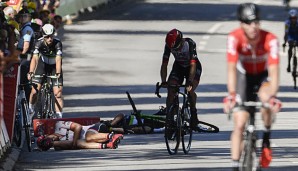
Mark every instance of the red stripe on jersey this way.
pixel 252 61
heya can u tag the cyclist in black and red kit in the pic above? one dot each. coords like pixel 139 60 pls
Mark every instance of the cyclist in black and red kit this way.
pixel 186 65
pixel 47 59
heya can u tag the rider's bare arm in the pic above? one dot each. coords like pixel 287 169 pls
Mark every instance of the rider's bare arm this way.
pixel 58 64
pixel 232 76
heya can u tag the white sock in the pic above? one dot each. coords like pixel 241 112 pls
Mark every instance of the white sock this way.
pixel 59 115
pixel 30 106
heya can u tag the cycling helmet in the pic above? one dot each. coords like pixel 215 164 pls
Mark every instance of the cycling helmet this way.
pixel 174 39
pixel 48 30
pixel 292 13
pixel 248 12
pixel 24 11
pixel 44 143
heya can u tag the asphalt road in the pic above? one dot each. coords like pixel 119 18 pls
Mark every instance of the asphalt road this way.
pixel 119 49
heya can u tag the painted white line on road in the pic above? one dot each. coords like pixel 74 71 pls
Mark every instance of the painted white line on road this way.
pixel 151 95
pixel 154 106
pixel 214 28
pixel 206 37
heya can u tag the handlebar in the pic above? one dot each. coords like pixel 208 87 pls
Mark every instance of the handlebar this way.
pixel 158 87
pixel 46 76
pixel 250 104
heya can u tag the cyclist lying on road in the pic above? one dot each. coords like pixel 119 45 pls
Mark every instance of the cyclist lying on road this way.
pixel 70 135
pixel 129 124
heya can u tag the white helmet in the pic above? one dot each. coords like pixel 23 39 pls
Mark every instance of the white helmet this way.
pixel 292 13
pixel 48 29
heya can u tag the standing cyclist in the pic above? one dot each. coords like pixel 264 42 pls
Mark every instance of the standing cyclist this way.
pixel 186 65
pixel 253 66
pixel 291 34
pixel 47 59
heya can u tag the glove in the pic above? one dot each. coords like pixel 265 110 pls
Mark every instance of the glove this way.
pixel 30 75
pixel 164 84
pixel 189 85
pixel 229 102
pixel 58 75
pixel 284 45
pixel 275 104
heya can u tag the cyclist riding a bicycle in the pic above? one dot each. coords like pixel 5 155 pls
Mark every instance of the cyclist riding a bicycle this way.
pixel 253 66
pixel 186 65
pixel 291 35
pixel 47 59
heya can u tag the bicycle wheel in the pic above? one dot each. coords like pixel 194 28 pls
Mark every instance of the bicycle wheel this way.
pixel 26 123
pixel 17 130
pixel 294 72
pixel 52 109
pixel 41 104
pixel 172 130
pixel 249 156
pixel 186 130
pixel 207 127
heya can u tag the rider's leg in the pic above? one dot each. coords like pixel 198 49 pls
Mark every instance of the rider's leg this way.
pixel 33 98
pixel 264 95
pixel 94 136
pixel 240 118
pixel 266 157
pixel 59 105
pixel 192 102
pixel 290 53
pixel 171 92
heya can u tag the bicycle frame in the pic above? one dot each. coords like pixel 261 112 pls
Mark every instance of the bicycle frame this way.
pixel 22 108
pixel 46 97
pixel 249 159
pixel 182 121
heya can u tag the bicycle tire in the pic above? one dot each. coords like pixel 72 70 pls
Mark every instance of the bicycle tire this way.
pixel 207 128
pixel 17 134
pixel 40 104
pixel 249 154
pixel 294 72
pixel 186 136
pixel 44 104
pixel 51 105
pixel 172 132
pixel 26 123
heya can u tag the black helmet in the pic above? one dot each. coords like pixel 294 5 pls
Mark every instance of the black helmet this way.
pixel 24 11
pixel 248 12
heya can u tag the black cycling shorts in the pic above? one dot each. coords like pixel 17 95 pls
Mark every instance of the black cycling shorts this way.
pixel 43 68
pixel 178 73
pixel 248 85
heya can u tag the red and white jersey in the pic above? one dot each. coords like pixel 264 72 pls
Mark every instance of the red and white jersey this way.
pixel 248 60
pixel 63 129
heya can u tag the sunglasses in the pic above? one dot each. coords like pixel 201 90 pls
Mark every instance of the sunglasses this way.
pixel 250 21
pixel 48 36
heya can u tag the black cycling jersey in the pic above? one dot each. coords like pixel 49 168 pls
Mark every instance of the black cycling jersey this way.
pixel 184 55
pixel 48 53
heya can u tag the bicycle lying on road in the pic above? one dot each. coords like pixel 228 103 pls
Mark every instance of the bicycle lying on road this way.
pixel 177 127
pixel 46 100
pixel 155 123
